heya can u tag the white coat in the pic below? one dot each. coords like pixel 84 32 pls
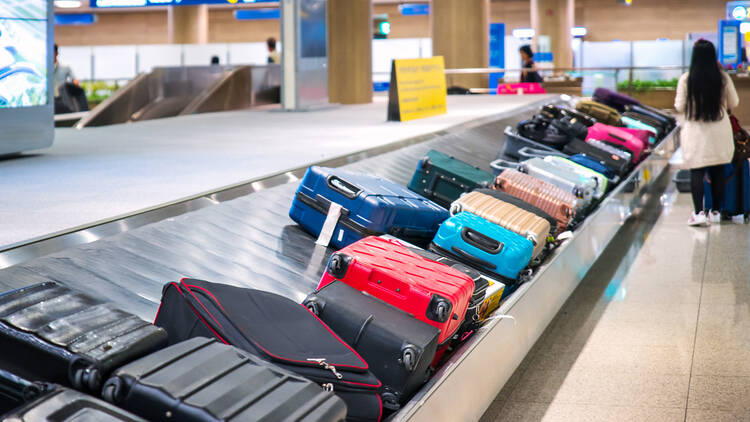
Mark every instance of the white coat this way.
pixel 706 143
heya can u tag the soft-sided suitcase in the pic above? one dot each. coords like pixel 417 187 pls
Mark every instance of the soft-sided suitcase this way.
pixel 483 245
pixel 581 186
pixel 203 380
pixel 614 99
pixel 668 121
pixel 553 111
pixel 370 206
pixel 507 215
pixel 70 337
pixel 514 142
pixel 25 401
pixel 543 130
pixel 602 182
pixel 559 204
pixel 618 137
pixel 612 149
pixel 571 127
pixel 443 178
pixel 398 347
pixel 275 329
pixel 618 165
pixel 434 293
pixel 632 123
pixel 602 113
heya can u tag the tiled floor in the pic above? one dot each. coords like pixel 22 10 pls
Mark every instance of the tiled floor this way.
pixel 658 331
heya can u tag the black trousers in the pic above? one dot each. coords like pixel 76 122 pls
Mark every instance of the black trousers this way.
pixel 718 182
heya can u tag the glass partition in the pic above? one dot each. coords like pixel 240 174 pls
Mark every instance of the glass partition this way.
pixel 158 55
pixel 658 53
pixel 605 54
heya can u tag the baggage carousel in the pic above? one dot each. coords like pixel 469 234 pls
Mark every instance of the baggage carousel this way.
pixel 241 235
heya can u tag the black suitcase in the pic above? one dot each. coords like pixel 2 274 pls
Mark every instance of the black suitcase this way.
pixel 571 127
pixel 275 329
pixel 398 347
pixel 660 127
pixel 25 401
pixel 666 120
pixel 618 164
pixel 72 338
pixel 202 380
pixel 552 111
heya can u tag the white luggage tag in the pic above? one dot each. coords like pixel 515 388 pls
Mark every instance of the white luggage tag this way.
pixel 326 233
pixel 565 235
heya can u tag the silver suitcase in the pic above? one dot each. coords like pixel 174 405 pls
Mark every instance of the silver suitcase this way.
pixel 625 155
pixel 565 165
pixel 580 186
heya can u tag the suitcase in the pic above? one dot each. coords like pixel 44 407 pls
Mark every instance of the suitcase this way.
pixel 602 113
pixel 632 123
pixel 667 121
pixel 565 165
pixel 571 127
pixel 483 245
pixel 25 401
pixel 655 124
pixel 203 380
pixel 616 164
pixel 612 149
pixel 505 197
pixel 398 347
pixel 72 338
pixel 596 166
pixel 370 206
pixel 434 293
pixel 515 142
pixel 526 153
pixel 495 294
pixel 583 187
pixel 556 202
pixel 506 215
pixel 643 135
pixel 552 111
pixel 614 99
pixel 544 131
pixel 618 137
pixel 275 329
pixel 443 178
pixel 736 192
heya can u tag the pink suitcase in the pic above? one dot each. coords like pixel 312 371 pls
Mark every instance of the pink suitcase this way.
pixel 622 137
pixel 521 88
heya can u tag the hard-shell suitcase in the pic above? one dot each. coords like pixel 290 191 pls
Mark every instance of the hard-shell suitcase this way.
pixel 667 121
pixel 203 380
pixel 612 149
pixel 617 164
pixel 433 292
pixel 275 329
pixel 443 178
pixel 25 401
pixel 398 347
pixel 526 153
pixel 602 113
pixel 553 111
pixel 483 245
pixel 655 124
pixel 514 142
pixel 70 337
pixel 520 203
pixel 736 191
pixel 602 183
pixel 618 137
pixel 595 165
pixel 614 99
pixel 581 186
pixel 507 215
pixel 632 123
pixel 370 206
pixel 556 202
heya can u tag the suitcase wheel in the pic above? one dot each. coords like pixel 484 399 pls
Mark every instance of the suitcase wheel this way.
pixel 455 208
pixel 314 306
pixel 439 309
pixel 338 265
pixel 83 376
pixel 113 390
pixel 409 358
pixel 390 400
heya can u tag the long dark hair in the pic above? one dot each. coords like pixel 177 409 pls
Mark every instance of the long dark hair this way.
pixel 705 84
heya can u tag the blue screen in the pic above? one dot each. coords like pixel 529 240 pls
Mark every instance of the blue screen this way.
pixel 143 3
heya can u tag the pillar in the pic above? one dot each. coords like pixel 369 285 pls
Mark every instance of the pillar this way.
pixel 555 19
pixel 350 51
pixel 188 24
pixel 461 34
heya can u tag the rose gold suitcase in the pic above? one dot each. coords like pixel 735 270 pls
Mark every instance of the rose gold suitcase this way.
pixel 558 203
pixel 506 215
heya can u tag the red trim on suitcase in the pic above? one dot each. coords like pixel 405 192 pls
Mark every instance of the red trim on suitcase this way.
pixel 198 314
pixel 209 293
pixel 367 366
pixel 204 306
pixel 380 400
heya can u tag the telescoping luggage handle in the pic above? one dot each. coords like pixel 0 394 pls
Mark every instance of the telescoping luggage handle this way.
pixel 529 152
pixel 500 165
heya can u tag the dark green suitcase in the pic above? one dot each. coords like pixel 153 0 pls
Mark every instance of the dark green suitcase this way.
pixel 443 179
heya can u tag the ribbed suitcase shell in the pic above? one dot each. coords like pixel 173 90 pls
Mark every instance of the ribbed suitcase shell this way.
pixel 618 136
pixel 372 206
pixel 600 112
pixel 398 347
pixel 581 186
pixel 484 245
pixel 617 164
pixel 549 198
pixel 634 123
pixel 620 152
pixel 434 293
pixel 602 183
pixel 71 337
pixel 202 380
pixel 519 221
pixel 63 405
pixel 443 178
pixel 667 121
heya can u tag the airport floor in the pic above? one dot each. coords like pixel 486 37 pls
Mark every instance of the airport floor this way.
pixel 659 330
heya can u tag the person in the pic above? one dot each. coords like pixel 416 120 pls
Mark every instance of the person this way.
pixel 214 60
pixel 273 55
pixel 63 74
pixel 527 58
pixel 704 95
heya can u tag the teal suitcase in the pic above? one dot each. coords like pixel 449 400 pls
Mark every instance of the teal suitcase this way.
pixel 443 179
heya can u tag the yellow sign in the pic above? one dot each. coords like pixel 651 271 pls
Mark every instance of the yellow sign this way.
pixel 417 89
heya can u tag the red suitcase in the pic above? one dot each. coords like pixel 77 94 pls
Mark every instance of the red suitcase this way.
pixel 434 293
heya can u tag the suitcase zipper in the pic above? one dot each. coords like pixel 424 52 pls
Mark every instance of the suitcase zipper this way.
pixel 344 220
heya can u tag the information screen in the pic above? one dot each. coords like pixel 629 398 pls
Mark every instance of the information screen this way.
pixel 23 53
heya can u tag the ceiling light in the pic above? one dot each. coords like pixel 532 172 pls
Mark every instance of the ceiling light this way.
pixel 67 4
pixel 523 33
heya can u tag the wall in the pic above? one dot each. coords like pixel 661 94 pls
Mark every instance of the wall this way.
pixel 117 28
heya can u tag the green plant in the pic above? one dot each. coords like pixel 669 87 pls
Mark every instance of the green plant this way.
pixel 646 86
pixel 98 91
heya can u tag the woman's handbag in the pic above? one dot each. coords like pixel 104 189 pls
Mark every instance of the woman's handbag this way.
pixel 741 140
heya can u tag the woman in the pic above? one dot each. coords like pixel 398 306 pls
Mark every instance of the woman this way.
pixel 704 95
pixel 527 58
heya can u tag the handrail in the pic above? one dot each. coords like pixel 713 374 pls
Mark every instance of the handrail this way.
pixel 482 70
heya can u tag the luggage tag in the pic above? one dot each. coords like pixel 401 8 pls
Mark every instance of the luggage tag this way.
pixel 329 226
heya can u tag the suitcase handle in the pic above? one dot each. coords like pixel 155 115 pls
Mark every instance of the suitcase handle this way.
pixel 481 241
pixel 471 258
pixel 343 187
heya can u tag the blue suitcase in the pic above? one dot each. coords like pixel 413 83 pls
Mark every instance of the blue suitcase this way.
pixel 485 246
pixel 736 195
pixel 593 164
pixel 371 206
pixel 637 124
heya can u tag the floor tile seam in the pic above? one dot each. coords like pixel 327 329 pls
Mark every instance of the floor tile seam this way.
pixel 623 406
pixel 697 323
